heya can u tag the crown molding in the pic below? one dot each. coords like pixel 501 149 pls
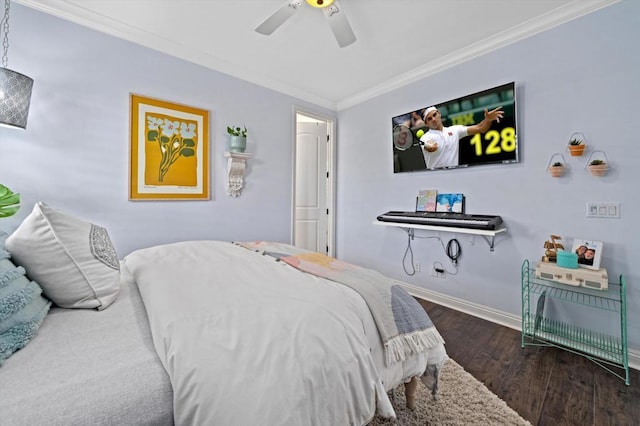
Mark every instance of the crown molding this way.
pixel 87 18
pixel 104 24
pixel 558 16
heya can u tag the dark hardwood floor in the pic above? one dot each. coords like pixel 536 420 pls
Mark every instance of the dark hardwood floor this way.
pixel 546 386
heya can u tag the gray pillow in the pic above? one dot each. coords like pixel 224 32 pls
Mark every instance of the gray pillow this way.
pixel 73 260
pixel 22 307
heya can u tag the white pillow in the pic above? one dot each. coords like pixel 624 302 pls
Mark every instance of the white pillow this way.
pixel 73 261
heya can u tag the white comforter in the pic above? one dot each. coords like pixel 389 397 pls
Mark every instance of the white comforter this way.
pixel 247 340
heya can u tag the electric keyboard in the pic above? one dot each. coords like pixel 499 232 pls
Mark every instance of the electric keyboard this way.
pixel 459 220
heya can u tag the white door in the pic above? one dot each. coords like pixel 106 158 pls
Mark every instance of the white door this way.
pixel 311 177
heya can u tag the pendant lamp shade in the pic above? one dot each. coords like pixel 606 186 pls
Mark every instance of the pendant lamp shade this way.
pixel 15 88
pixel 15 97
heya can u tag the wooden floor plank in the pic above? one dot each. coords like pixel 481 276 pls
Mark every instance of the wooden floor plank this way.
pixel 545 385
pixel 569 396
pixel 615 403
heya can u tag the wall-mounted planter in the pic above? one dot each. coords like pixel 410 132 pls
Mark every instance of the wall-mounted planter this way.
pixel 556 167
pixel 557 170
pixel 599 165
pixel 598 169
pixel 577 144
pixel 576 150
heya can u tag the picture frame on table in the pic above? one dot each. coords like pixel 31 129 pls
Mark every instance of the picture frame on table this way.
pixel 169 150
pixel 589 253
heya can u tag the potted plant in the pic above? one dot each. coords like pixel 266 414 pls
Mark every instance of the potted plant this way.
pixel 556 169
pixel 598 167
pixel 237 138
pixel 576 144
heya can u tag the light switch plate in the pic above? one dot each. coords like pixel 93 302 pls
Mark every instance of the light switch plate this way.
pixel 600 209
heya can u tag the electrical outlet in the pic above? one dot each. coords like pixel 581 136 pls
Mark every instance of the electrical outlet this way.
pixel 416 266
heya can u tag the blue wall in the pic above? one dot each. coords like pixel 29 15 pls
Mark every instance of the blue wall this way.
pixel 74 154
pixel 581 76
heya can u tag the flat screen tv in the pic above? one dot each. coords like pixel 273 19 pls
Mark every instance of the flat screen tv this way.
pixel 498 145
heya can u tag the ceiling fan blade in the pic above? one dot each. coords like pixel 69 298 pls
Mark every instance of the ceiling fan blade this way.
pixel 279 17
pixel 339 24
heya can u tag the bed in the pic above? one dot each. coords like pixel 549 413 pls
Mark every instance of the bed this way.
pixel 88 367
pixel 211 332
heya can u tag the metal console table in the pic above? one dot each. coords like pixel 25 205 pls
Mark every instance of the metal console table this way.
pixel 607 351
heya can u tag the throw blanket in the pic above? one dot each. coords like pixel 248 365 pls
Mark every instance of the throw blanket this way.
pixel 404 326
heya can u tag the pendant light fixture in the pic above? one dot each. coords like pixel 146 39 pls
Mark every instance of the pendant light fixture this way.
pixel 15 88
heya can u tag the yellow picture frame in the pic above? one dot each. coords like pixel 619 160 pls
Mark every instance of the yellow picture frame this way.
pixel 169 150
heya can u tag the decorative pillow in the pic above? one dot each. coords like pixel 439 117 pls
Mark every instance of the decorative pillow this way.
pixel 73 260
pixel 22 307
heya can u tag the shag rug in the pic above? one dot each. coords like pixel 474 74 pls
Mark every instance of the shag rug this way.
pixel 461 400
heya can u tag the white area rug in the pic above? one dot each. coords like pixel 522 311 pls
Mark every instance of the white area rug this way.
pixel 461 400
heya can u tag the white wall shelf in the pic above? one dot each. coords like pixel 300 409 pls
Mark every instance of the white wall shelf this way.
pixel 236 164
pixel 488 234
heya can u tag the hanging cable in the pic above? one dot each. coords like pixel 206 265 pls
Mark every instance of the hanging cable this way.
pixel 453 251
pixel 408 250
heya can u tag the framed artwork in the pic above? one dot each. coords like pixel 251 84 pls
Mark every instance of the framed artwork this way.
pixel 426 200
pixel 452 203
pixel 589 253
pixel 169 151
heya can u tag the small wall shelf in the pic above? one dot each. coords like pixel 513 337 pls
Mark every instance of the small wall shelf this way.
pixel 236 164
pixel 489 235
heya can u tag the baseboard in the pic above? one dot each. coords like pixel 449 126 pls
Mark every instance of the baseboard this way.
pixel 486 313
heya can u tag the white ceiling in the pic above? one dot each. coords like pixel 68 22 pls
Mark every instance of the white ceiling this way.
pixel 398 41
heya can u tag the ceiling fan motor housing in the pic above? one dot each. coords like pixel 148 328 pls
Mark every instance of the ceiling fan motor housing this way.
pixel 331 9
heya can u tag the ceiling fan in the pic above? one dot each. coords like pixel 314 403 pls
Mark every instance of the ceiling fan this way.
pixel 332 10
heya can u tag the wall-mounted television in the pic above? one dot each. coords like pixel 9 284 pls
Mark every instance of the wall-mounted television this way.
pixel 498 145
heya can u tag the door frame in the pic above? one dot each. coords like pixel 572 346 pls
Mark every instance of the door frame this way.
pixel 331 165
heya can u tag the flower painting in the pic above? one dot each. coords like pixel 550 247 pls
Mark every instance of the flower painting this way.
pixel 174 140
pixel 169 151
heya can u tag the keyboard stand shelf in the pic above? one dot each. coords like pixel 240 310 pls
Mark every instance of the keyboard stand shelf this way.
pixel 489 235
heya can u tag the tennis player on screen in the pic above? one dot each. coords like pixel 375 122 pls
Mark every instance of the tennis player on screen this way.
pixel 442 144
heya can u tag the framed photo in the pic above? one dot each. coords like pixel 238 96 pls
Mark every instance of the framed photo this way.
pixel 169 151
pixel 589 253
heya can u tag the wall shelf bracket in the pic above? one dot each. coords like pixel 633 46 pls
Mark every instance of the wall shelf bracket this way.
pixel 236 165
pixel 490 240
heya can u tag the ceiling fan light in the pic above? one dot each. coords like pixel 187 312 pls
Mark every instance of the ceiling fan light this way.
pixel 320 3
